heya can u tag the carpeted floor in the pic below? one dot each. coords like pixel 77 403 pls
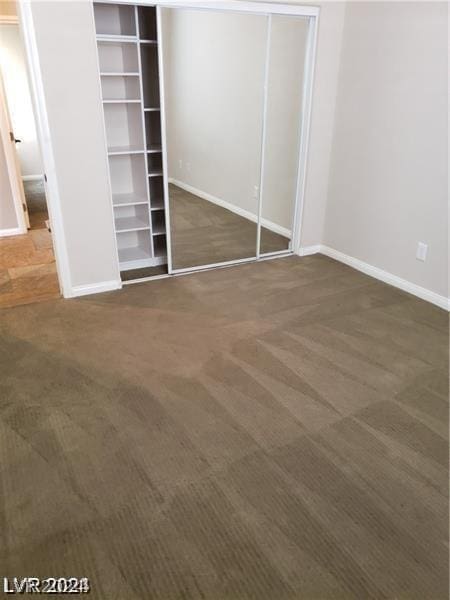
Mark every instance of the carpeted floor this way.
pixel 268 431
pixel 203 233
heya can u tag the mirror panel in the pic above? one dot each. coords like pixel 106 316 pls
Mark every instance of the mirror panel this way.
pixel 214 64
pixel 288 43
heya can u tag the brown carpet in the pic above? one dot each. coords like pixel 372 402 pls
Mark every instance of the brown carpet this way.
pixel 203 233
pixel 268 431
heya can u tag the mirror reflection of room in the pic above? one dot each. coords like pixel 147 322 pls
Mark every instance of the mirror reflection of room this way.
pixel 214 65
pixel 287 52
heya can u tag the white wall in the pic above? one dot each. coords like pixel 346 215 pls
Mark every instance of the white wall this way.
pixel 331 24
pixel 68 59
pixel 13 67
pixel 388 179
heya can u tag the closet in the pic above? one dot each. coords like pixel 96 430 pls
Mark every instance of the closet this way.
pixel 128 56
pixel 205 111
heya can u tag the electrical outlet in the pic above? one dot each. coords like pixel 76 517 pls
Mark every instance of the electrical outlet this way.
pixel 180 164
pixel 421 253
pixel 255 191
pixel 188 167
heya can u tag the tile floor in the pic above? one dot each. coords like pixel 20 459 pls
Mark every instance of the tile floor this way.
pixel 27 262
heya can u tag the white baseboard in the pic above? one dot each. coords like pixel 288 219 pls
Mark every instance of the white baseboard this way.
pixel 12 231
pixel 94 288
pixel 308 250
pixel 385 276
pixel 32 177
pixel 246 214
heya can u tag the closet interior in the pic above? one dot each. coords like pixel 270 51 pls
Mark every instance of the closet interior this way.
pixel 127 42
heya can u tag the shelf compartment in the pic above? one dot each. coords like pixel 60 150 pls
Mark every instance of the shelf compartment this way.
pixel 134 249
pixel 128 179
pixel 121 89
pixel 160 246
pixel 154 164
pixel 114 19
pixel 131 218
pixel 123 124
pixel 147 23
pixel 149 59
pixel 156 193
pixel 153 129
pixel 158 223
pixel 117 57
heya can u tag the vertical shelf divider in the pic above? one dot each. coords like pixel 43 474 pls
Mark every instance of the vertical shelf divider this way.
pixel 141 87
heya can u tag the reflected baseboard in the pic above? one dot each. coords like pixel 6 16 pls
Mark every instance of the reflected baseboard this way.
pixel 246 214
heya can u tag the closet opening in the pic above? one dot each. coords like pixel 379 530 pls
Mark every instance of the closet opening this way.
pixel 206 118
pixel 128 54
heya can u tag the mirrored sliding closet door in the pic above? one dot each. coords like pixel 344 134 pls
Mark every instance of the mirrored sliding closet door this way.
pixel 214 71
pixel 287 45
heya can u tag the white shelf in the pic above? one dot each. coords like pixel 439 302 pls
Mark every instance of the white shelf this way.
pixel 151 42
pixel 116 150
pixel 134 257
pixel 123 224
pixel 119 74
pixel 154 149
pixel 120 101
pixel 152 109
pixel 128 199
pixel 127 39
pixel 156 173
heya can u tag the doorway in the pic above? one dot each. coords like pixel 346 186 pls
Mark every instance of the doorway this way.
pixel 27 261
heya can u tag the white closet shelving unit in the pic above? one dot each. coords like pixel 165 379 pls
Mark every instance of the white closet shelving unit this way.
pixel 127 42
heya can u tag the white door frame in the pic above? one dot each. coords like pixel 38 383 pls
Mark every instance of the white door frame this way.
pixel 26 23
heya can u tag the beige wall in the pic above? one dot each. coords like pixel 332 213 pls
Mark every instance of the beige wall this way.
pixel 388 180
pixel 68 59
pixel 331 24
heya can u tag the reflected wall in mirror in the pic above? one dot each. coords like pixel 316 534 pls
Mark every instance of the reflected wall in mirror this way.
pixel 214 64
pixel 288 43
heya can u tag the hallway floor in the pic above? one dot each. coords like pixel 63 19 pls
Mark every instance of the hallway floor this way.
pixel 27 262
